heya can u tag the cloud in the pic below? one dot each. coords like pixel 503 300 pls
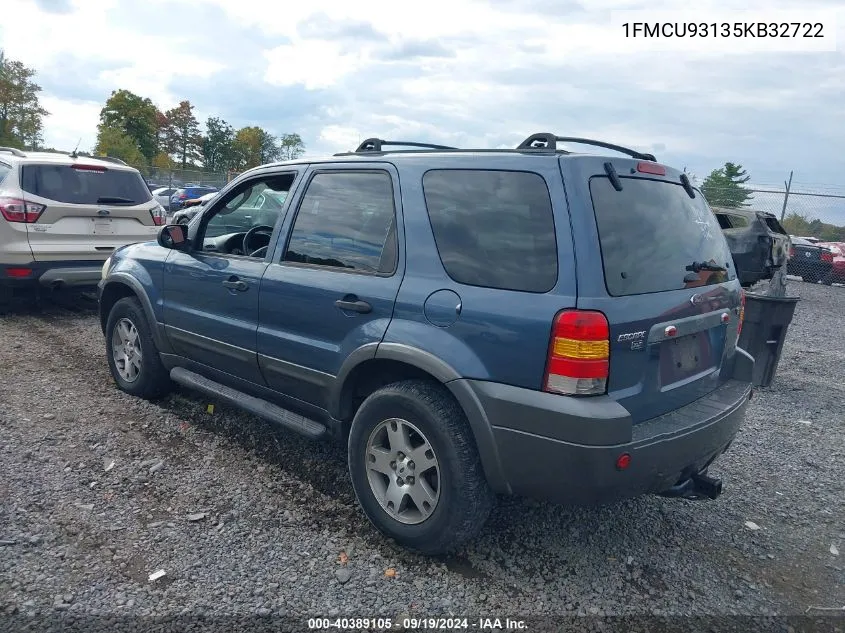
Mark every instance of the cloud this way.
pixel 458 72
pixel 55 6
pixel 413 49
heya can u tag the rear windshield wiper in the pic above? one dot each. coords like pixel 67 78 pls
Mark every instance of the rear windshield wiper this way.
pixel 698 266
pixel 114 200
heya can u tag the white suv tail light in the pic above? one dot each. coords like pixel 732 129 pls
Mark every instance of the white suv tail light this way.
pixel 17 210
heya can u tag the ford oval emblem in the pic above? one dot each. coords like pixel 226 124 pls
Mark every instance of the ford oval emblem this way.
pixel 696 299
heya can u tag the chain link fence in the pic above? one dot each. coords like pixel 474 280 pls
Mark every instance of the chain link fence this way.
pixel 173 178
pixel 821 212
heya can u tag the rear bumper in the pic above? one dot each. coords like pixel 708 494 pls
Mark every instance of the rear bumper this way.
pixel 57 274
pixel 565 450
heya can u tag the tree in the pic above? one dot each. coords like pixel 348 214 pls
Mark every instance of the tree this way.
pixel 290 146
pixel 136 116
pixel 184 140
pixel 723 187
pixel 162 161
pixel 247 147
pixel 21 114
pixel 114 142
pixel 162 132
pixel 269 147
pixel 218 149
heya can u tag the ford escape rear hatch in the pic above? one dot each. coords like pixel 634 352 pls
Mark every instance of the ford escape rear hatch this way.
pixel 670 299
pixel 88 210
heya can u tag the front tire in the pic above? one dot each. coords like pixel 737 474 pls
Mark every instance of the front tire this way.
pixel 133 359
pixel 415 467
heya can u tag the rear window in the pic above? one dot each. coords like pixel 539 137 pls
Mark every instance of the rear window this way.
pixel 652 233
pixel 775 226
pixel 493 228
pixel 64 183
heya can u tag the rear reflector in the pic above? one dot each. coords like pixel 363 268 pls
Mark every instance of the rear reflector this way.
pixel 741 313
pixel 18 273
pixel 651 168
pixel 579 352
pixel 17 210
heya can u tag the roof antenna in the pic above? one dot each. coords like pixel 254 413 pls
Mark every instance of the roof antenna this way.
pixel 73 154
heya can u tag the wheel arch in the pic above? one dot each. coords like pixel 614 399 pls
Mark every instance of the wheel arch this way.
pixel 376 365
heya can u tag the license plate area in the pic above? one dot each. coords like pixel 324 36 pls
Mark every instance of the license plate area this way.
pixel 685 357
pixel 102 226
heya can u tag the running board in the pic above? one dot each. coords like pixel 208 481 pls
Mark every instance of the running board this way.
pixel 256 406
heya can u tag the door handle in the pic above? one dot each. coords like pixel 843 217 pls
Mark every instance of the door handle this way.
pixel 236 284
pixel 353 304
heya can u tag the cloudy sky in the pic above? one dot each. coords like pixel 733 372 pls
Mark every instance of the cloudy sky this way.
pixel 483 74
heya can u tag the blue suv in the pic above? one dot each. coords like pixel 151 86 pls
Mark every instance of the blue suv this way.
pixel 532 322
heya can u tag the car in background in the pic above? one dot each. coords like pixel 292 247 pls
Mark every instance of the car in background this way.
pixel 62 215
pixel 258 202
pixel 191 207
pixel 813 262
pixel 837 271
pixel 179 196
pixel 162 195
pixel 759 244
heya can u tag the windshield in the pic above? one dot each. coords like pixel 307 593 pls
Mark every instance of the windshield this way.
pixel 654 237
pixel 81 184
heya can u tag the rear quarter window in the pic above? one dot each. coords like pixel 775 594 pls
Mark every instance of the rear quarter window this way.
pixel 493 228
pixel 64 183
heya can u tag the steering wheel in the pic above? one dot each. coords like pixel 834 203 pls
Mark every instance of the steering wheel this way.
pixel 261 228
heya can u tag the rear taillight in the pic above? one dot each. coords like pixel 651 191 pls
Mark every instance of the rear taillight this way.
pixel 579 352
pixel 827 256
pixel 183 196
pixel 159 215
pixel 741 312
pixel 16 210
pixel 791 252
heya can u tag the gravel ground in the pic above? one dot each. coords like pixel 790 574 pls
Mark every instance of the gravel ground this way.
pixel 99 490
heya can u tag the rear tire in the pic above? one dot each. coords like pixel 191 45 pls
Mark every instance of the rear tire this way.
pixel 410 443
pixel 133 359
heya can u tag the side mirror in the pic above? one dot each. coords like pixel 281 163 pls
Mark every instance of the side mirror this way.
pixel 173 236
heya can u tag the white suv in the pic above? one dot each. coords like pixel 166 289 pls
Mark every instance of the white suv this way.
pixel 61 216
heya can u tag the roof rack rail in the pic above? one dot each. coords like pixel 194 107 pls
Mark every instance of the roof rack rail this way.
pixel 376 144
pixel 13 151
pixel 549 141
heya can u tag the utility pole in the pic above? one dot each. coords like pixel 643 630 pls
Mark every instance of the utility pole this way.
pixel 786 196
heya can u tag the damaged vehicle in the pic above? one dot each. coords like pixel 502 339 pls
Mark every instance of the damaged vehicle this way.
pixel 759 244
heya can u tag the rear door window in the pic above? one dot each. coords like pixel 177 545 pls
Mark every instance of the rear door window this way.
pixel 78 185
pixel 493 228
pixel 653 234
